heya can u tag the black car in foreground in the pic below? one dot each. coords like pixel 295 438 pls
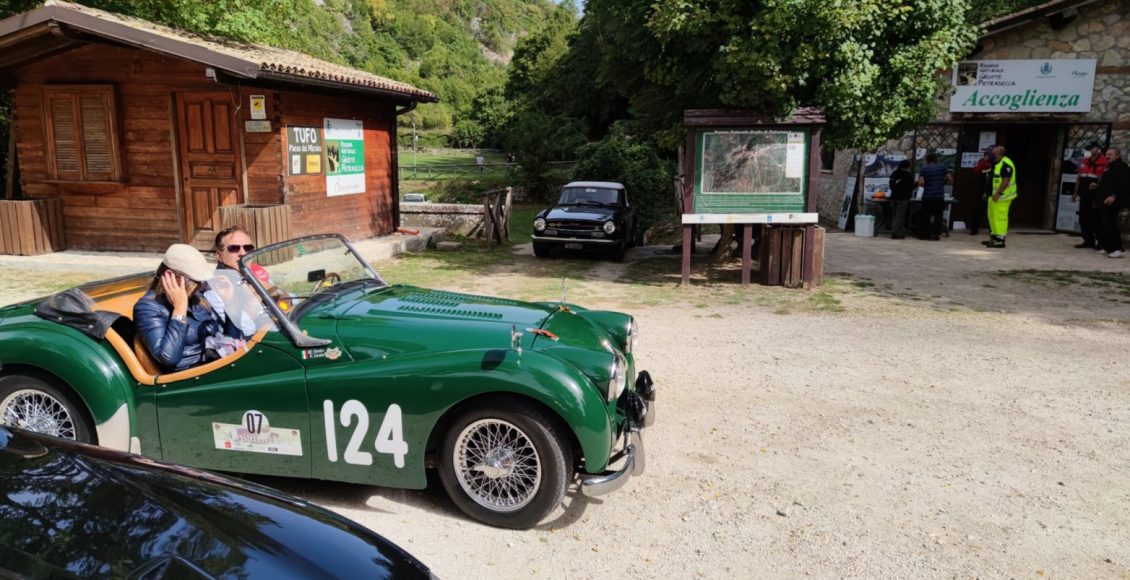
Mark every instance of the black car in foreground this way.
pixel 69 510
pixel 589 215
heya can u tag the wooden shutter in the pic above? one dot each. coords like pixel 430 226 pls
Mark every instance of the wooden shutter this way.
pixel 82 135
pixel 64 136
pixel 96 134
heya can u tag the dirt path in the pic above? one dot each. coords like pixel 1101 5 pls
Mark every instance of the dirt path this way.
pixel 937 411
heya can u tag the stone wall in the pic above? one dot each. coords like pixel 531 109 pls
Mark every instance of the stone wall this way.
pixel 455 218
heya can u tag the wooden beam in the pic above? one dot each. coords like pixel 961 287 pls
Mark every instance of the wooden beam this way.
pixel 747 257
pixel 10 165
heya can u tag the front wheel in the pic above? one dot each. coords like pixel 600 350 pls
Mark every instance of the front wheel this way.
pixel 620 251
pixel 541 250
pixel 505 465
pixel 31 403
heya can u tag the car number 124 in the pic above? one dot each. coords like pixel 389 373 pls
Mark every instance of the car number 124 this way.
pixel 390 435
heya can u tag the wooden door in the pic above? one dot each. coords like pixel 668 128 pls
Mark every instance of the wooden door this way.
pixel 209 162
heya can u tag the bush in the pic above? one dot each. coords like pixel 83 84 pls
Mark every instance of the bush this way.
pixel 636 163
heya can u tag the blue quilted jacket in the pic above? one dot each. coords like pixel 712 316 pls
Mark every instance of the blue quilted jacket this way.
pixel 177 345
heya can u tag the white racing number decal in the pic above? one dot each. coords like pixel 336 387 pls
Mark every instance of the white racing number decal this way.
pixel 390 435
pixel 255 433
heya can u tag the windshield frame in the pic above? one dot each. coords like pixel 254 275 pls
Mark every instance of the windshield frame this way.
pixel 287 325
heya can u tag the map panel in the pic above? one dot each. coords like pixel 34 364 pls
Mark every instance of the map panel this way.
pixel 743 162
pixel 751 171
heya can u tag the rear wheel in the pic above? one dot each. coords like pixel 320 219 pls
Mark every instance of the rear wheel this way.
pixel 505 464
pixel 541 250
pixel 32 403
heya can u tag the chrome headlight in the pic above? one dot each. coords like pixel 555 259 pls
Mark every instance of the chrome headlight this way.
pixel 633 335
pixel 539 225
pixel 618 370
pixel 609 227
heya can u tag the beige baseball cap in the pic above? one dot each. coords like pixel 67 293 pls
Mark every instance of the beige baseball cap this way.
pixel 189 261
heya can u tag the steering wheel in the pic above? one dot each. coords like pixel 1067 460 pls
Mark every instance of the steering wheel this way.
pixel 327 281
pixel 281 298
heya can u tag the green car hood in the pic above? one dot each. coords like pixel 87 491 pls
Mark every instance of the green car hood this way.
pixel 407 319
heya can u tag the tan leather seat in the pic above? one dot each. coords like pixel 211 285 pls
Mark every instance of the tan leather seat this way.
pixel 140 374
pixel 143 358
pixel 146 362
pixel 140 363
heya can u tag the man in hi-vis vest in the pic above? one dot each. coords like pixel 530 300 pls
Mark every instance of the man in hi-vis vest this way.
pixel 1004 191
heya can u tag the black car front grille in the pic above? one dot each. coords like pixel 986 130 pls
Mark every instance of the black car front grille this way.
pixel 575 226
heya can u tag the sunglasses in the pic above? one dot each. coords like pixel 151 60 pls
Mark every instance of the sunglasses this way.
pixel 234 248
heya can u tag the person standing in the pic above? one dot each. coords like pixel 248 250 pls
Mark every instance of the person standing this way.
pixel 1004 191
pixel 933 178
pixel 1114 191
pixel 902 184
pixel 984 170
pixel 479 161
pixel 1091 169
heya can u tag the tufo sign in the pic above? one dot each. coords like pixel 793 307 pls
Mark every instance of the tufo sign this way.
pixel 1023 86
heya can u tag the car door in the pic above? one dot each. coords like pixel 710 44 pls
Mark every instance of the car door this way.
pixel 250 415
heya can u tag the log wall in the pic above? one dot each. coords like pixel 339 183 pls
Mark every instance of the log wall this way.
pixel 143 212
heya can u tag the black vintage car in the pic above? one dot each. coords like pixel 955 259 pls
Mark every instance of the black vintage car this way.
pixel 589 215
pixel 69 510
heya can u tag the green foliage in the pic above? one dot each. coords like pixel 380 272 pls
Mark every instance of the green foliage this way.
pixel 870 64
pixel 539 139
pixel 636 163
pixel 468 134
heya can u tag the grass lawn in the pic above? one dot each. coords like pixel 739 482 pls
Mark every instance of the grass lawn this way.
pixel 428 157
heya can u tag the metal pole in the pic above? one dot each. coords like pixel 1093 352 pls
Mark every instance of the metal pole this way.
pixel 414 148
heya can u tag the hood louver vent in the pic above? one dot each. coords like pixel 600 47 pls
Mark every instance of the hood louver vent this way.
pixel 450 312
pixel 439 297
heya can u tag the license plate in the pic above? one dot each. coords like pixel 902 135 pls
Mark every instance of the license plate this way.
pixel 574 246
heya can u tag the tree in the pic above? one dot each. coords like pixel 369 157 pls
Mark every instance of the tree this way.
pixel 872 65
pixel 635 162
pixel 468 133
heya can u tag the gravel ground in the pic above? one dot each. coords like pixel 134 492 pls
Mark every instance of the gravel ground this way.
pixel 944 420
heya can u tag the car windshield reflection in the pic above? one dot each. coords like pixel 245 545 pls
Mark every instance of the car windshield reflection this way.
pixel 231 296
pixel 302 272
pixel 590 196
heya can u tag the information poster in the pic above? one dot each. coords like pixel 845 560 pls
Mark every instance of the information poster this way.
pixel 1067 213
pixel 750 171
pixel 345 156
pixel 304 150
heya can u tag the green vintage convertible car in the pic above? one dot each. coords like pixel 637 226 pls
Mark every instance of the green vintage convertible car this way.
pixel 350 379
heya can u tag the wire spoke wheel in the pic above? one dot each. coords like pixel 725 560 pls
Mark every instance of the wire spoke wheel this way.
pixel 37 411
pixel 497 465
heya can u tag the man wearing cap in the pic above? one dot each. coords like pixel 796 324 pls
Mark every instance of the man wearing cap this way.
pixel 1004 191
pixel 1091 169
pixel 175 322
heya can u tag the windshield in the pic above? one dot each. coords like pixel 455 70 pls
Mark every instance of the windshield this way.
pixel 307 270
pixel 591 196
pixel 232 297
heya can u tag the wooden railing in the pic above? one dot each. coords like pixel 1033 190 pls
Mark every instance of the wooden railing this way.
pixel 496 216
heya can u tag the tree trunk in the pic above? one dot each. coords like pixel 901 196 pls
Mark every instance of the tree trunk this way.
pixel 723 249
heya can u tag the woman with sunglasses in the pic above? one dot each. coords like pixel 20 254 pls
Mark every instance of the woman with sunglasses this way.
pixel 176 323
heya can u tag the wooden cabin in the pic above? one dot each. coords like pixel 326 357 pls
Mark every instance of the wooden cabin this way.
pixel 137 136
